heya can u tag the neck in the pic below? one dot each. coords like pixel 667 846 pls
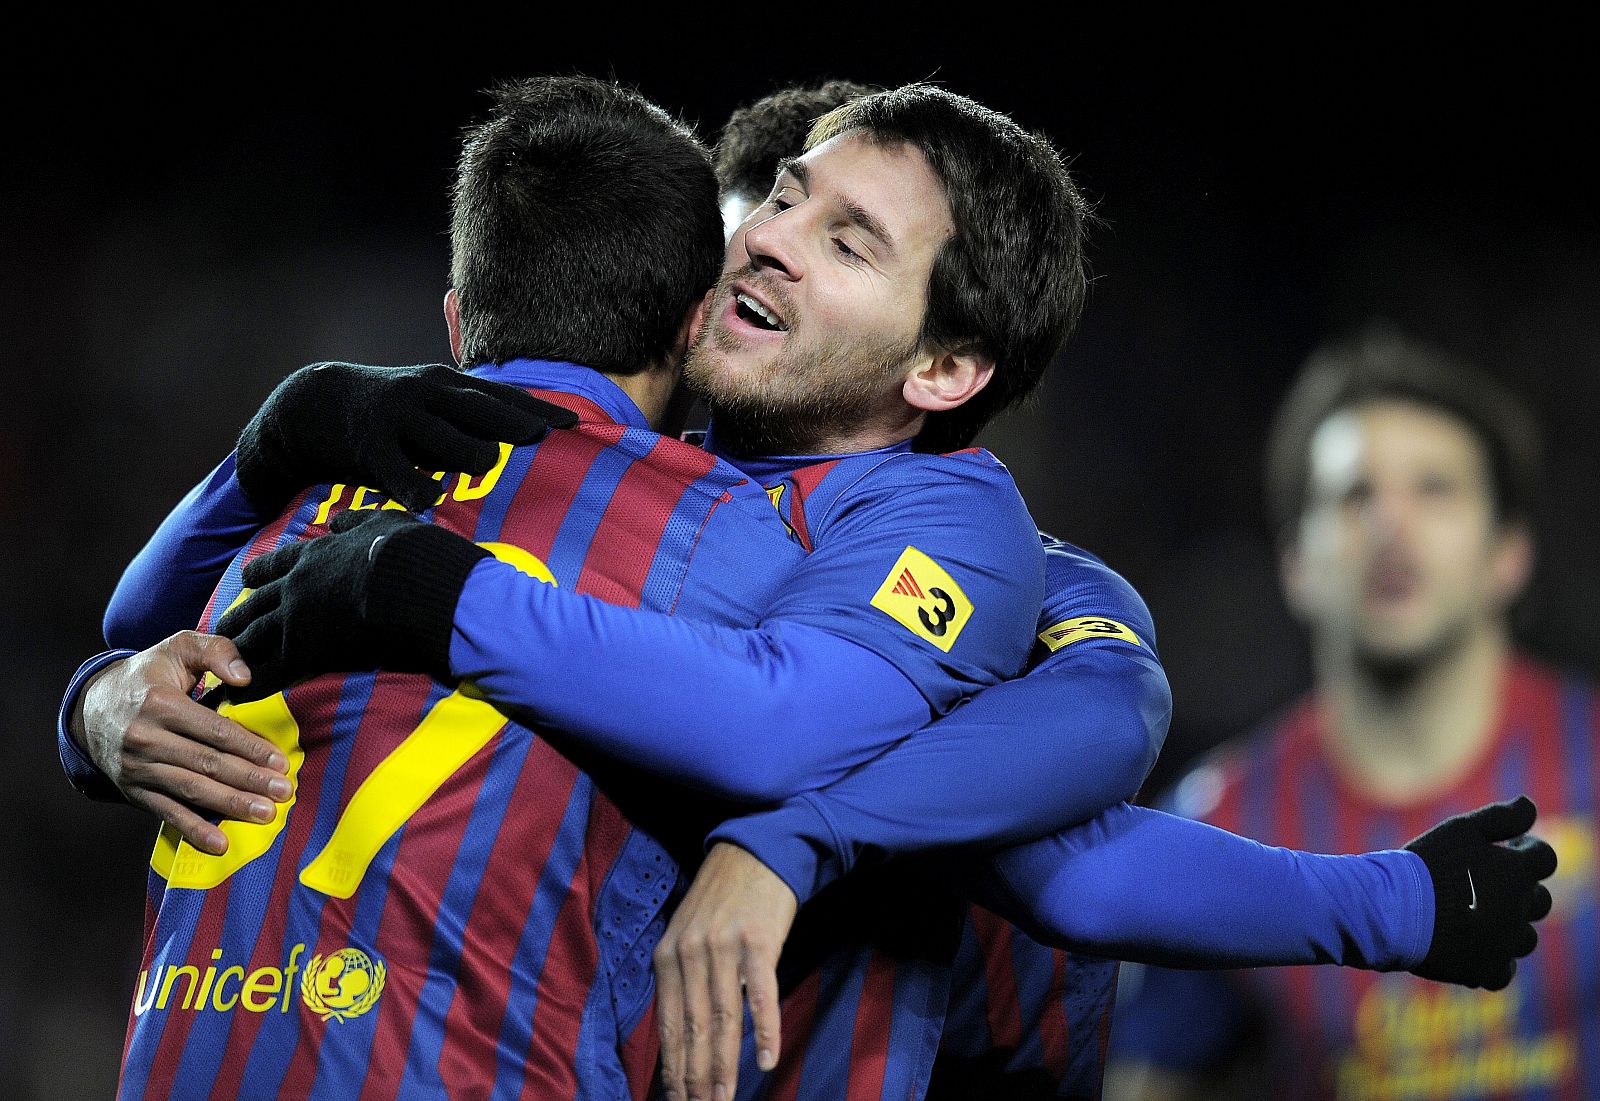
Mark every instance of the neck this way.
pixel 653 390
pixel 1406 737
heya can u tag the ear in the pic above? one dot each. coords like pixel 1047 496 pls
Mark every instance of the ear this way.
pixel 1292 576
pixel 1512 564
pixel 947 380
pixel 452 321
pixel 696 319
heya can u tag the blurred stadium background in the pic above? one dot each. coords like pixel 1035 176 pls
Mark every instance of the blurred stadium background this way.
pixel 181 230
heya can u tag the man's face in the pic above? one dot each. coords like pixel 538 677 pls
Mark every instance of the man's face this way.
pixel 1399 553
pixel 815 323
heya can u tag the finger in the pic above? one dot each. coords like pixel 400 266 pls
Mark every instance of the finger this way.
pixel 194 829
pixel 397 475
pixel 273 565
pixel 761 991
pixel 1502 977
pixel 445 447
pixel 262 645
pixel 727 1018
pixel 1535 856
pixel 259 605
pixel 1524 941
pixel 203 793
pixel 194 726
pixel 1503 821
pixel 350 518
pixel 199 653
pixel 491 419
pixel 669 1019
pixel 555 416
pixel 696 1040
pixel 1539 907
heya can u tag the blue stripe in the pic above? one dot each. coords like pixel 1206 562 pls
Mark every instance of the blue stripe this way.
pixel 533 947
pixel 1032 970
pixel 493 515
pixel 1318 809
pixel 345 1053
pixel 571 546
pixel 232 583
pixel 671 561
pixel 455 907
pixel 1577 721
pixel 275 1044
pixel 825 1066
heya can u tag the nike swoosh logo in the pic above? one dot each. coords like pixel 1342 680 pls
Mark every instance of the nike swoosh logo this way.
pixel 1473 903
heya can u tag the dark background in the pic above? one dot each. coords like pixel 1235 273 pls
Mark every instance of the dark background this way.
pixel 184 223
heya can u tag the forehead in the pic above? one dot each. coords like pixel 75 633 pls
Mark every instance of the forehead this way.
pixel 1392 437
pixel 893 181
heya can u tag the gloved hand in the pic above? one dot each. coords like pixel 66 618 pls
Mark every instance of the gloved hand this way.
pixel 374 426
pixel 1486 896
pixel 379 591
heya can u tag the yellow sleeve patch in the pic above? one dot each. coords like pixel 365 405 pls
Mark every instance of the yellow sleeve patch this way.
pixel 1069 631
pixel 921 597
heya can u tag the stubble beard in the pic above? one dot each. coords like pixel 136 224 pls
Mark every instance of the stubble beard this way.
pixel 801 400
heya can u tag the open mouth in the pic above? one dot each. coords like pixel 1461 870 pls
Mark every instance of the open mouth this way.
pixel 754 313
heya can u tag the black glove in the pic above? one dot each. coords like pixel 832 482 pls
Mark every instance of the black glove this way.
pixel 1486 896
pixel 379 591
pixel 374 426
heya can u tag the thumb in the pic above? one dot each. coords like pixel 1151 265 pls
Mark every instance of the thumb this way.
pixel 1503 821
pixel 197 654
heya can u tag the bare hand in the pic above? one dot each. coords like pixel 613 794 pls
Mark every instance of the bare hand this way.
pixel 168 754
pixel 726 935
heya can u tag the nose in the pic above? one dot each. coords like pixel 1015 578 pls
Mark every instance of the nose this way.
pixel 770 244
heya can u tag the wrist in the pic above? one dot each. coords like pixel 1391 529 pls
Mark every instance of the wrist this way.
pixel 412 591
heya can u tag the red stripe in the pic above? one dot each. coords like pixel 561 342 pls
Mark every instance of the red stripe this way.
pixel 640 1053
pixel 869 1044
pixel 805 480
pixel 630 531
pixel 496 921
pixel 798 1012
pixel 1055 1031
pixel 546 493
pixel 429 847
pixel 393 710
pixel 266 539
pixel 1002 1007
pixel 588 412
pixel 572 964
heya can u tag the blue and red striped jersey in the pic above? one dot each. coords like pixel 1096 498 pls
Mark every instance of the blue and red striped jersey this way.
pixel 448 907
pixel 1356 1034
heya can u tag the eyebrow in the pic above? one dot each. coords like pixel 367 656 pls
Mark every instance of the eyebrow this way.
pixel 858 214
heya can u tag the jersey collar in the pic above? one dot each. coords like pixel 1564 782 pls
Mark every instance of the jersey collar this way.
pixel 770 468
pixel 567 378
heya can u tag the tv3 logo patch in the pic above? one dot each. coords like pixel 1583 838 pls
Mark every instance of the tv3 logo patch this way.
pixel 920 596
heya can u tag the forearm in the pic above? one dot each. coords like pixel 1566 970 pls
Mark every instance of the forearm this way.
pixel 166 586
pixel 1140 885
pixel 71 739
pixel 613 680
pixel 1020 760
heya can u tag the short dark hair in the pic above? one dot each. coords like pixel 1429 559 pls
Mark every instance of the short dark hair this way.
pixel 1011 282
pixel 760 136
pixel 584 226
pixel 1380 363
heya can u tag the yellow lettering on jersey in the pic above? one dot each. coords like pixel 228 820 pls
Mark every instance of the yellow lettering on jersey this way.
pixel 1069 631
pixel 182 865
pixel 327 505
pixel 456 728
pixel 466 491
pixel 920 596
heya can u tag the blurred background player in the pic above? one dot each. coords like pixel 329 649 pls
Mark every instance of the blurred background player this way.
pixel 1400 481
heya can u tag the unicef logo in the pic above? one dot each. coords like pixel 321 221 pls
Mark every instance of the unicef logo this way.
pixel 342 985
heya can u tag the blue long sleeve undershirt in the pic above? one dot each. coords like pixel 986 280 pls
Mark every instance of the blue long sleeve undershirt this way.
pixel 1079 733
pixel 1224 900
pixel 750 732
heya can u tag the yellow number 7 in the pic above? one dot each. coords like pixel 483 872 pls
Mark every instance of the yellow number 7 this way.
pixel 452 731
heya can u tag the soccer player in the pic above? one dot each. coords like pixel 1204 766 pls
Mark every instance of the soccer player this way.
pixel 1401 481
pixel 364 546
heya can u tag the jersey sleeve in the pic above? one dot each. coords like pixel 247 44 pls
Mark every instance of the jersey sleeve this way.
pixel 827 680
pixel 1145 886
pixel 1020 760
pixel 166 586
pixel 931 562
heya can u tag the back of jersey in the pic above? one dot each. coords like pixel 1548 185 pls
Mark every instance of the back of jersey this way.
pixel 420 920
